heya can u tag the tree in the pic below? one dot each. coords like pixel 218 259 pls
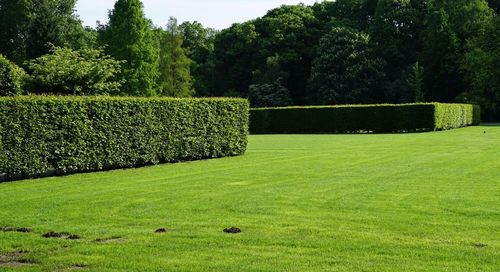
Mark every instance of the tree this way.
pixel 269 95
pixel 129 37
pixel 75 72
pixel 29 28
pixel 53 22
pixel 292 32
pixel 14 24
pixel 12 78
pixel 395 32
pixel 415 81
pixel 198 42
pixel 234 59
pixel 449 26
pixel 346 71
pixel 357 14
pixel 481 69
pixel 271 72
pixel 267 89
pixel 175 77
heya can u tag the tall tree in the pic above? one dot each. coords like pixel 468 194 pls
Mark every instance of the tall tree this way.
pixel 292 32
pixel 346 69
pixel 14 25
pixel 416 82
pixel 54 22
pixel 482 72
pixel 30 28
pixel 357 14
pixel 395 31
pixel 175 77
pixel 450 25
pixel 199 44
pixel 129 37
pixel 234 54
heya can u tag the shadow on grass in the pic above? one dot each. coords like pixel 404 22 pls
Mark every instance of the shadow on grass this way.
pixel 490 124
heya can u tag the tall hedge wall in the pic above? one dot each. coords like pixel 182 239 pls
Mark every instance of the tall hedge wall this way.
pixel 42 136
pixel 363 118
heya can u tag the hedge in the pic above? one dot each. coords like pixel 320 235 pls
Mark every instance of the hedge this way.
pixel 363 118
pixel 44 136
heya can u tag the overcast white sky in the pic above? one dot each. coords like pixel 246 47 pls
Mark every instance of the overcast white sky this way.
pixel 217 14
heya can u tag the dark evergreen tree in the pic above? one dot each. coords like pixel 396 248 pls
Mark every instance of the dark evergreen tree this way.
pixel 346 70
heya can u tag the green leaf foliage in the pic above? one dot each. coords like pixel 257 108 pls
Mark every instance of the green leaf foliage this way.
pixel 450 25
pixel 59 135
pixel 198 41
pixel 54 22
pixel 346 70
pixel 481 64
pixel 14 25
pixel 415 81
pixel 269 95
pixel 175 75
pixel 130 37
pixel 75 72
pixel 12 78
pixel 29 28
pixel 384 118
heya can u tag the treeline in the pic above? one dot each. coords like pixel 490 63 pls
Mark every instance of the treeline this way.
pixel 346 51
pixel 46 49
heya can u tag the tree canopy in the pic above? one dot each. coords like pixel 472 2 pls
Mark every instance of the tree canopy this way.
pixel 343 51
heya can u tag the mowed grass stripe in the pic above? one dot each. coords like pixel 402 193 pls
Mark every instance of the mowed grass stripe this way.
pixel 413 202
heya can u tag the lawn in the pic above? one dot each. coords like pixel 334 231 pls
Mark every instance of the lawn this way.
pixel 394 202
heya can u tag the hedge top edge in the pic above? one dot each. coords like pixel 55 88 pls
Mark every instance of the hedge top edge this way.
pixel 116 98
pixel 360 106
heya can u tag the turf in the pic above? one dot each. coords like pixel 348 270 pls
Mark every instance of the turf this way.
pixel 407 202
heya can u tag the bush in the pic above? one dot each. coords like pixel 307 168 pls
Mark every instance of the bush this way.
pixel 11 78
pixel 269 95
pixel 75 72
pixel 362 118
pixel 41 136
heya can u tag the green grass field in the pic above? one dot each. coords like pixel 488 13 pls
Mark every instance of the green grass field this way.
pixel 407 202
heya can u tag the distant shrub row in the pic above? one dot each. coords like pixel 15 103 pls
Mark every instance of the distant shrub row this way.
pixel 363 118
pixel 41 136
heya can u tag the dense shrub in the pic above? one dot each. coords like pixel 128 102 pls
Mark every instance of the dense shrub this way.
pixel 11 78
pixel 269 95
pixel 42 136
pixel 75 72
pixel 362 118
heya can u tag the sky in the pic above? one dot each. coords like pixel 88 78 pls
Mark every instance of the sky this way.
pixel 218 14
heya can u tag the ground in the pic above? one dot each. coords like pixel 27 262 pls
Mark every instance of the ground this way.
pixel 395 202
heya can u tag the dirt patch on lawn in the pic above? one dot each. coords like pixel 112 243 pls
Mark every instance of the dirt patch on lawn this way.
pixel 67 235
pixel 232 230
pixel 14 259
pixel 162 230
pixel 8 229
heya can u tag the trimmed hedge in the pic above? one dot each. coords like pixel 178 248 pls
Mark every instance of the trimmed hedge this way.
pixel 43 136
pixel 363 118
